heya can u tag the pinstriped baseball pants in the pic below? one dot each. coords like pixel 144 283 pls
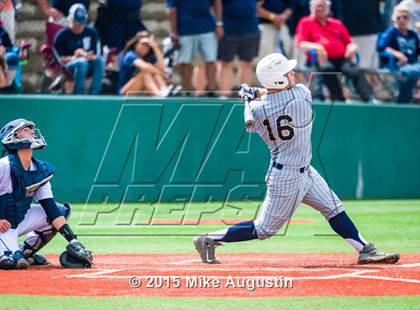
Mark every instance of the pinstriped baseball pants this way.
pixel 286 189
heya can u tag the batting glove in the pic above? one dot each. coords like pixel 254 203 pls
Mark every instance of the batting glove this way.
pixel 248 93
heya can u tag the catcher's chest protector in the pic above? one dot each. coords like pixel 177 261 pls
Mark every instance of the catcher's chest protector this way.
pixel 14 206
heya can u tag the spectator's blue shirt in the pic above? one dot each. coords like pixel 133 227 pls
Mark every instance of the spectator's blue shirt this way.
pixel 66 42
pixel 406 44
pixel 193 16
pixel 127 68
pixel 64 5
pixel 126 4
pixel 275 6
pixel 5 39
pixel 240 17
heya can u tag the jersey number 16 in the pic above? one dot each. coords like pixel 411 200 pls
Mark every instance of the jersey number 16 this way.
pixel 285 132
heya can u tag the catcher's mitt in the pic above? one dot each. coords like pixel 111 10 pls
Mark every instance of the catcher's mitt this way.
pixel 76 256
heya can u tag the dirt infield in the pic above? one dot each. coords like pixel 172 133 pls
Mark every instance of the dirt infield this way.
pixel 240 275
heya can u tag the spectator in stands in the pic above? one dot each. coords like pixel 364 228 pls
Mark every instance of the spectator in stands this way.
pixel 414 7
pixel 142 68
pixel 57 10
pixel 403 43
pixel 78 47
pixel 199 80
pixel 329 38
pixel 3 72
pixel 7 17
pixel 387 11
pixel 363 19
pixel 274 31
pixel 194 28
pixel 242 39
pixel 118 21
pixel 9 61
pixel 300 8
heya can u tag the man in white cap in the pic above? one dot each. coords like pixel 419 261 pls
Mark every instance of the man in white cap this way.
pixel 283 119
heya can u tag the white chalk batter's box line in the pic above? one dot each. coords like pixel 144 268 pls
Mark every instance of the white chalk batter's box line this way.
pixel 356 273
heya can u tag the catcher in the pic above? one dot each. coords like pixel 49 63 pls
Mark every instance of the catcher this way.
pixel 22 178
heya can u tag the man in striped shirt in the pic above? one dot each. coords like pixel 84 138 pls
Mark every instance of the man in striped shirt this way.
pixel 283 119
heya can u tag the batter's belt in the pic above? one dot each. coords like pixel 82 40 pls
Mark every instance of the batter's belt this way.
pixel 280 166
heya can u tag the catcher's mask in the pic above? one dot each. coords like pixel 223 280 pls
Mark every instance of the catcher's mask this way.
pixel 9 136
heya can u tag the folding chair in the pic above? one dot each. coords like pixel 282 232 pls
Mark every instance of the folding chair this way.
pixel 56 75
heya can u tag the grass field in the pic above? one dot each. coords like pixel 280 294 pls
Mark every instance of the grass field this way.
pixel 393 225
pixel 294 303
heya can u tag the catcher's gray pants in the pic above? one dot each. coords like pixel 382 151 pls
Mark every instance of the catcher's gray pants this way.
pixel 286 189
pixel 35 220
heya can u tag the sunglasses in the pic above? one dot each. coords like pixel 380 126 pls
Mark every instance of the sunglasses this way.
pixel 402 17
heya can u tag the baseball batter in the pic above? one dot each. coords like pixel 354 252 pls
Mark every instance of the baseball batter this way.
pixel 283 119
pixel 22 178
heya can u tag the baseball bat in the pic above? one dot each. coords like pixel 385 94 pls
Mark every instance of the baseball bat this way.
pixel 248 116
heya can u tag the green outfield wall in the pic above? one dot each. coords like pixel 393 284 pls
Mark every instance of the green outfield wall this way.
pixel 111 149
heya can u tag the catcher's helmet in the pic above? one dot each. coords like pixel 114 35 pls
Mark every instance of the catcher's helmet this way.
pixel 11 141
pixel 272 69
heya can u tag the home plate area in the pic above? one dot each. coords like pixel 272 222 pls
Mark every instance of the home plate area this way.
pixel 240 275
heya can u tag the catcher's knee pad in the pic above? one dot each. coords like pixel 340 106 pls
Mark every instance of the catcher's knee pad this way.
pixel 65 210
pixel 36 240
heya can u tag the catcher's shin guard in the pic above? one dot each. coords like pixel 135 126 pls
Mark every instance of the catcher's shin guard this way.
pixel 36 240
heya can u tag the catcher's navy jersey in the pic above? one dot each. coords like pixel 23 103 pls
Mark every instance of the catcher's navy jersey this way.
pixel 284 122
pixel 43 192
pixel 26 184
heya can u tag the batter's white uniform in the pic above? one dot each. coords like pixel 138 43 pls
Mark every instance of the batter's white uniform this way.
pixel 35 219
pixel 284 122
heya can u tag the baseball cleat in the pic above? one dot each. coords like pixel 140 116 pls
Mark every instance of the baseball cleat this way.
pixel 7 263
pixel 206 247
pixel 21 262
pixel 38 260
pixel 371 255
